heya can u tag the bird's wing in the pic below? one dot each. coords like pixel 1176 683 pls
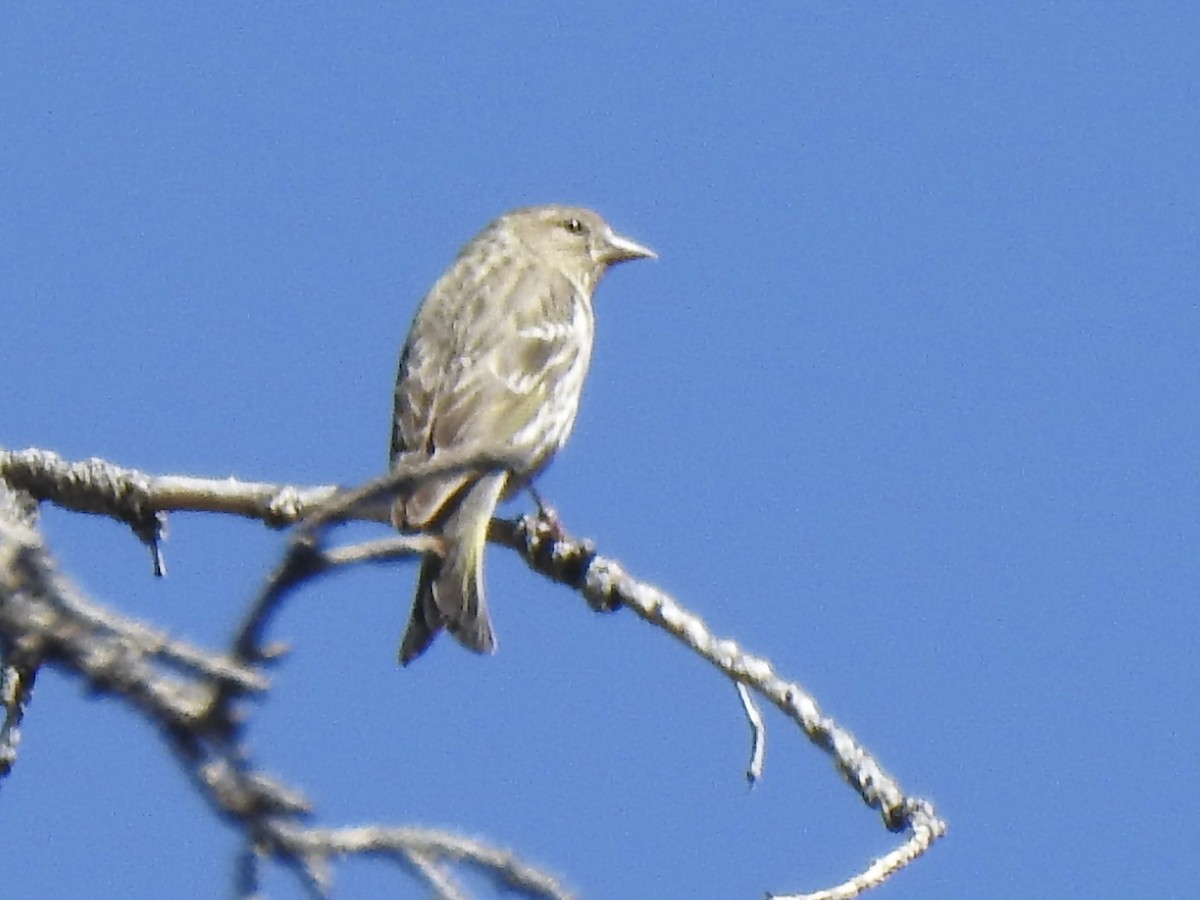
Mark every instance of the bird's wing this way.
pixel 481 361
pixel 514 351
pixel 423 375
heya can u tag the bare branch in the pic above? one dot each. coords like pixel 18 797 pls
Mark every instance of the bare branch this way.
pixel 196 709
pixel 189 694
pixel 430 846
pixel 135 497
pixel 128 495
pixel 605 585
pixel 927 828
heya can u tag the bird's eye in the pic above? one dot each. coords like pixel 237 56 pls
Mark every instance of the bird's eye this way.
pixel 573 225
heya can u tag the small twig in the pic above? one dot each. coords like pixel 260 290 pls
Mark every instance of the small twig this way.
pixel 388 549
pixel 245 873
pixel 503 867
pixel 926 828
pixel 152 531
pixel 305 561
pixel 16 689
pixel 442 882
pixel 758 734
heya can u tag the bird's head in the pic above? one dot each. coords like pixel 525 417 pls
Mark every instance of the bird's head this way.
pixel 575 240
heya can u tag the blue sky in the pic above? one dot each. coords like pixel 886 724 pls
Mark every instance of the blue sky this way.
pixel 907 404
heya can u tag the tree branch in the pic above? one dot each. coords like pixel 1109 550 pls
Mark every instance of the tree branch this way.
pixel 197 712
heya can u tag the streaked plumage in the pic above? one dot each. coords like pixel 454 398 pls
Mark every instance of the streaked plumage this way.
pixel 495 360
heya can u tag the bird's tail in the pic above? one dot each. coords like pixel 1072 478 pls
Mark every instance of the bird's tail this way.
pixel 450 588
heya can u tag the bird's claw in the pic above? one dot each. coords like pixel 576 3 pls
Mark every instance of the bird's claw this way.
pixel 549 523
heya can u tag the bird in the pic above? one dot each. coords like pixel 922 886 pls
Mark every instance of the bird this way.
pixel 494 363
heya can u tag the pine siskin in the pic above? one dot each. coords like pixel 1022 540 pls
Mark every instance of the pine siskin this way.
pixel 495 359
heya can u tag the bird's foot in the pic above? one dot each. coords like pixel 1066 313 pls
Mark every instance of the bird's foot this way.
pixel 548 523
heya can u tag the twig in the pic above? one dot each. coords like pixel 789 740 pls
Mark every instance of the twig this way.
pixel 16 688
pixel 502 866
pixel 758 734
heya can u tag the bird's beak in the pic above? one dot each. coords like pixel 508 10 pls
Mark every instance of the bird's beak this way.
pixel 621 248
